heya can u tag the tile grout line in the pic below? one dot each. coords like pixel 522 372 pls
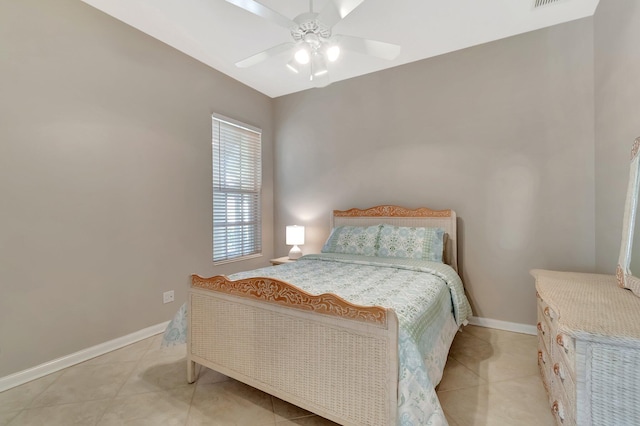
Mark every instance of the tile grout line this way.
pixel 29 405
pixel 112 399
pixel 17 414
pixel 472 372
pixel 196 384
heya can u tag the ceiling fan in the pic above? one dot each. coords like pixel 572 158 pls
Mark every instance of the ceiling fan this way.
pixel 313 42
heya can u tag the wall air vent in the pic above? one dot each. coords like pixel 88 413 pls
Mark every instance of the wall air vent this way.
pixel 541 3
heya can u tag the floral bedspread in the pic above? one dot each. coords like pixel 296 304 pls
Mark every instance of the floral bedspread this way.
pixel 423 294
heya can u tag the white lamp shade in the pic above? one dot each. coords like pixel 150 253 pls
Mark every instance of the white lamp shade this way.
pixel 295 235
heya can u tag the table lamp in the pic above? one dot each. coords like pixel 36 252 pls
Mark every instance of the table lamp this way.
pixel 295 237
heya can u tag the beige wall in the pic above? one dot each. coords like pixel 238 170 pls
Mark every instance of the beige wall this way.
pixel 617 119
pixel 105 177
pixel 105 164
pixel 502 133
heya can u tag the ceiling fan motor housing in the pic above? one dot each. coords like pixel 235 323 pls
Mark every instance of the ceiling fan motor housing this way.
pixel 310 29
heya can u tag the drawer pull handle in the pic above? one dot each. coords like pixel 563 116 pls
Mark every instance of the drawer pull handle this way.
pixel 541 357
pixel 560 341
pixel 557 409
pixel 547 312
pixel 540 328
pixel 558 371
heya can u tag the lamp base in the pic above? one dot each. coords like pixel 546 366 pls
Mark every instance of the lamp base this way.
pixel 295 253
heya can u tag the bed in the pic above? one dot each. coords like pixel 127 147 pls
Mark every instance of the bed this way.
pixel 358 334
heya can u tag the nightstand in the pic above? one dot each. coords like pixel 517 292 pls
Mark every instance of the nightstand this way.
pixel 281 260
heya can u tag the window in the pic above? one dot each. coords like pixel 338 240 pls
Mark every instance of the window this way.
pixel 237 182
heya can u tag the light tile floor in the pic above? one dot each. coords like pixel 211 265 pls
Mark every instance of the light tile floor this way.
pixel 491 378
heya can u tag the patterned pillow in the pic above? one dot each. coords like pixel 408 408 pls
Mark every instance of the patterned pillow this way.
pixel 360 240
pixel 412 243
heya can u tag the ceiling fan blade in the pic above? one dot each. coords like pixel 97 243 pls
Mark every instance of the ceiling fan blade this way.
pixel 336 10
pixel 379 49
pixel 264 55
pixel 263 11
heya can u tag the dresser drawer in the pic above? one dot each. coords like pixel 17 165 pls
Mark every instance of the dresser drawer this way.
pixel 544 365
pixel 564 390
pixel 563 380
pixel 559 385
pixel 562 407
pixel 545 324
pixel 561 411
pixel 565 346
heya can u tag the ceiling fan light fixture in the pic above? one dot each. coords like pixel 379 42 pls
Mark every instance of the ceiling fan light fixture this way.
pixel 333 52
pixel 293 66
pixel 318 65
pixel 302 56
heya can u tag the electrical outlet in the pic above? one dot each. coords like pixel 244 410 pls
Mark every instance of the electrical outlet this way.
pixel 167 297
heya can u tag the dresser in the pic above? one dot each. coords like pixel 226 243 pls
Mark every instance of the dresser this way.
pixel 588 348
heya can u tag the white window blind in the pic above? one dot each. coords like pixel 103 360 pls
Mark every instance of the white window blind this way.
pixel 237 182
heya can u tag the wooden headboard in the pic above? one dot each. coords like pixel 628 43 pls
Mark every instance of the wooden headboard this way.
pixel 400 216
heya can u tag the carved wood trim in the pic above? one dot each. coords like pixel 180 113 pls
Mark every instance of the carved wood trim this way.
pixel 392 211
pixel 281 293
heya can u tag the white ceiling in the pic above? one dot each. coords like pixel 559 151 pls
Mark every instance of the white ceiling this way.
pixel 220 34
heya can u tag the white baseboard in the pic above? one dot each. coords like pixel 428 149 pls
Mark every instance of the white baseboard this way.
pixel 42 370
pixel 503 325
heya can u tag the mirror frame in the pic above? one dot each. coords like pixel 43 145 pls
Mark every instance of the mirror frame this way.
pixel 623 273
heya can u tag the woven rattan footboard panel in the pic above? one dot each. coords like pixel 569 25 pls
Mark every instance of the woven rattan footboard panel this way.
pixel 341 369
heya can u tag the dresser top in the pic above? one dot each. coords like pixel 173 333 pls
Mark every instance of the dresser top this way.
pixel 591 306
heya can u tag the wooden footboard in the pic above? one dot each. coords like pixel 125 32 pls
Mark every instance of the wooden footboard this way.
pixel 321 353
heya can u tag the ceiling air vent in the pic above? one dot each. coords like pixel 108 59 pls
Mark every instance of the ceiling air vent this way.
pixel 541 3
